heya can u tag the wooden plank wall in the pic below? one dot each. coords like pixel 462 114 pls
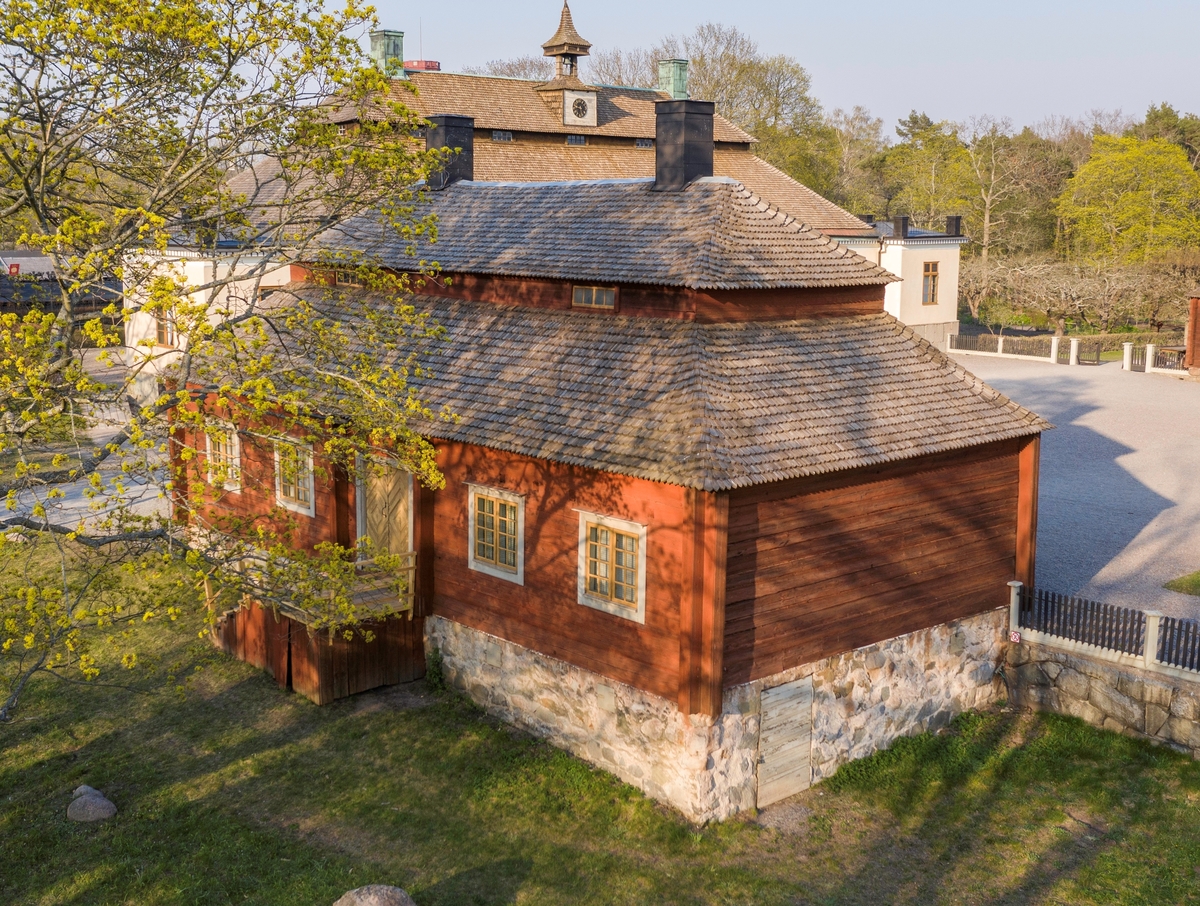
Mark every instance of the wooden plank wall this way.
pixel 666 302
pixel 310 665
pixel 821 566
pixel 544 614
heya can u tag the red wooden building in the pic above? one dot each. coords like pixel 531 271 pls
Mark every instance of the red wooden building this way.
pixel 700 486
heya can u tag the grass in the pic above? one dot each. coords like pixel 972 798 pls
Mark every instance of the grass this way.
pixel 237 792
pixel 1188 585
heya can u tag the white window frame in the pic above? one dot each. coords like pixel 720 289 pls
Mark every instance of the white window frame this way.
pixel 629 528
pixel 482 566
pixel 295 507
pixel 233 474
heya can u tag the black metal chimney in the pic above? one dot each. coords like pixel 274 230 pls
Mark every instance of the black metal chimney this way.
pixel 448 131
pixel 868 219
pixel 683 146
pixel 900 227
pixel 954 225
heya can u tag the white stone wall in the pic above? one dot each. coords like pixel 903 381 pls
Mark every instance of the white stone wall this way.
pixel 863 701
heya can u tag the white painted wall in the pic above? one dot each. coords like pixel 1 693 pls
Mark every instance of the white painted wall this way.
pixel 906 259
pixel 193 271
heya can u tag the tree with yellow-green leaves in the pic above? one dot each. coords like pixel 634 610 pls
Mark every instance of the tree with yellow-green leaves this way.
pixel 135 133
pixel 1133 201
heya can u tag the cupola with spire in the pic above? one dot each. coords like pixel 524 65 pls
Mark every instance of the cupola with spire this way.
pixel 578 101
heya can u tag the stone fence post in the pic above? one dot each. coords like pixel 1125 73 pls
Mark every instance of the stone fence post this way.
pixel 1150 654
pixel 1014 605
pixel 1055 342
pixel 1127 357
pixel 1000 345
pixel 1151 355
pixel 1074 351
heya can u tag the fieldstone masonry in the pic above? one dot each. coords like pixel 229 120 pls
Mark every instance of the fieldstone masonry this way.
pixel 1124 699
pixel 863 700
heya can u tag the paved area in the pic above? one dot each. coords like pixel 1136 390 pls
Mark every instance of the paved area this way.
pixel 1119 505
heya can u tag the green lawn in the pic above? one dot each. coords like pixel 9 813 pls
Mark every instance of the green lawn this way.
pixel 236 792
pixel 1188 585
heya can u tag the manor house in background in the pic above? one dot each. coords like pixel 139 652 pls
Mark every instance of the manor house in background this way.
pixel 566 129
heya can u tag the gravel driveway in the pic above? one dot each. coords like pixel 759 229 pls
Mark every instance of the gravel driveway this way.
pixel 1119 506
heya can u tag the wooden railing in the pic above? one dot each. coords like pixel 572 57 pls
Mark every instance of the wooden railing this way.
pixel 387 590
pixel 1169 360
pixel 1124 635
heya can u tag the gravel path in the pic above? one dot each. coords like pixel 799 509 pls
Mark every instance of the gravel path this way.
pixel 1119 505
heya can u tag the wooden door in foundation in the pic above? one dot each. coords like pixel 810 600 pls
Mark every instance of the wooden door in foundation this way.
pixel 785 741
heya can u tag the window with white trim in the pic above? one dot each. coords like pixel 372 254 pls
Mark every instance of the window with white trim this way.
pixel 224 456
pixel 496 545
pixel 294 486
pixel 165 333
pixel 929 283
pixel 612 565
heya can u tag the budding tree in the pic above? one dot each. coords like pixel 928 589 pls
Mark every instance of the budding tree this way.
pixel 137 136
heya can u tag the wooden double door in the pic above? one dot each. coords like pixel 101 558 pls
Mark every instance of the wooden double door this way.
pixel 385 508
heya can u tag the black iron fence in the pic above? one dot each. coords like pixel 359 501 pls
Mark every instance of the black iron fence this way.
pixel 984 342
pixel 1121 629
pixel 1179 643
pixel 1035 347
pixel 1066 616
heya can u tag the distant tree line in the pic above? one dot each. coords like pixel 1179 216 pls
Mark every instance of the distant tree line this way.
pixel 1088 223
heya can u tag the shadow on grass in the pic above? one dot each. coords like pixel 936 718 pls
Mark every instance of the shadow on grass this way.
pixel 494 884
pixel 983 809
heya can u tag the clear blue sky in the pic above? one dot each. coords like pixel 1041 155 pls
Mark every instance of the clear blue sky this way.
pixel 1025 59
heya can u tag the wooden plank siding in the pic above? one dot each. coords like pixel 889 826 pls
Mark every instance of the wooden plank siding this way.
pixel 315 666
pixel 636 300
pixel 825 565
pixel 544 614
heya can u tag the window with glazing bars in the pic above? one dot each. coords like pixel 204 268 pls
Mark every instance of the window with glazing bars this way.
pixel 496 532
pixel 294 464
pixel 929 283
pixel 612 564
pixel 594 297
pixel 223 457
pixel 164 329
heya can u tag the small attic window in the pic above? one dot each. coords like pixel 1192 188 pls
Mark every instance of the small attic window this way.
pixel 646 144
pixel 604 297
pixel 576 139
pixel 501 135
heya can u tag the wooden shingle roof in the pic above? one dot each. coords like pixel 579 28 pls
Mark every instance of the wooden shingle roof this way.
pixel 515 105
pixel 715 234
pixel 709 406
pixel 528 160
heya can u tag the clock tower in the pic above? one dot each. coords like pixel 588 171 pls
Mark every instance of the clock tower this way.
pixel 577 100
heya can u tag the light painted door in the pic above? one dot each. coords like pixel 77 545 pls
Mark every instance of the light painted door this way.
pixel 386 513
pixel 785 741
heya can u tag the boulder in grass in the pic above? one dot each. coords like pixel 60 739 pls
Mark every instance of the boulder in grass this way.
pixel 376 895
pixel 90 805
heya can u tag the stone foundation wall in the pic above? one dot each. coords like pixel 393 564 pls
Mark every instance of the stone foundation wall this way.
pixel 863 700
pixel 1123 699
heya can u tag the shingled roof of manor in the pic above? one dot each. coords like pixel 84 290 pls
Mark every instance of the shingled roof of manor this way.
pixel 552 159
pixel 715 234
pixel 709 406
pixel 514 105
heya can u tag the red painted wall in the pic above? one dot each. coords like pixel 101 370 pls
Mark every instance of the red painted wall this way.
pixel 544 614
pixel 636 300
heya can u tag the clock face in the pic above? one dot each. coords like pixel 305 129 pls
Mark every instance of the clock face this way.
pixel 580 108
